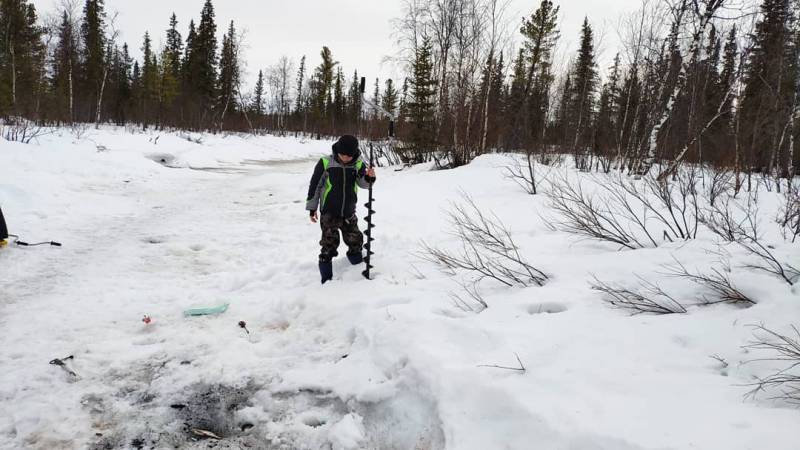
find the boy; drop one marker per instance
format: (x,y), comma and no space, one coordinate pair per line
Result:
(334,187)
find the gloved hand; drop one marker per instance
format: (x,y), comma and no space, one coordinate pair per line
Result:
(314,216)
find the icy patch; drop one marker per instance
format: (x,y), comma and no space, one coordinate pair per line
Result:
(348,433)
(207,414)
(253,416)
(409,420)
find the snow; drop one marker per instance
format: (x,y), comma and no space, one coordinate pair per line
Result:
(389,363)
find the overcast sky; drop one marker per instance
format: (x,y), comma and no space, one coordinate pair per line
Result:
(358,32)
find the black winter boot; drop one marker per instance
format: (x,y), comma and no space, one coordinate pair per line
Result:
(326,271)
(355,258)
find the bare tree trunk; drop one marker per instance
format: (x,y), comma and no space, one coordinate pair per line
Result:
(711,7)
(244,112)
(737,164)
(13,73)
(790,159)
(777,143)
(467,139)
(620,160)
(637,46)
(578,128)
(112,40)
(490,80)
(100,97)
(443,21)
(678,159)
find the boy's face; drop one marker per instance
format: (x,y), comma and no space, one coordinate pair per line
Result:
(344,158)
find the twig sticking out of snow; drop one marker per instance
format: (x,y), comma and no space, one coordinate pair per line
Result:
(718,281)
(520,369)
(722,220)
(205,434)
(487,249)
(783,348)
(474,302)
(651,300)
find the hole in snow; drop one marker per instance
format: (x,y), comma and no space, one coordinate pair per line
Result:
(165,159)
(314,421)
(546,308)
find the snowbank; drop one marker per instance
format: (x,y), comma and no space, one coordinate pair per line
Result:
(153,223)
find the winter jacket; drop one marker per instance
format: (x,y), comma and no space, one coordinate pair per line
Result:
(334,186)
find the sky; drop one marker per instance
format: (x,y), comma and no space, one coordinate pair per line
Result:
(358,32)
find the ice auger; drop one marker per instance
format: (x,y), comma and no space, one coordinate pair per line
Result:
(370,211)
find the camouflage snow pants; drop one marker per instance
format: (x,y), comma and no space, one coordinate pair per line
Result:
(330,236)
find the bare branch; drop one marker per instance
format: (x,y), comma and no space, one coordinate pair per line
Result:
(487,249)
(783,348)
(521,367)
(651,300)
(718,282)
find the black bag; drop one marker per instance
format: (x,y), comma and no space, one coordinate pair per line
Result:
(3,228)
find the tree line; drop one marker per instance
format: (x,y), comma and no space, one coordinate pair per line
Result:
(711,81)
(72,68)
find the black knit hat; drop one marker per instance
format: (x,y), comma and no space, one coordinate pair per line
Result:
(346,145)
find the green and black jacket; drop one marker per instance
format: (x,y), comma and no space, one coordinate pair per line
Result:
(334,186)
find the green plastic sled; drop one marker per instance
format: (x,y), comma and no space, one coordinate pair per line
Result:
(206,310)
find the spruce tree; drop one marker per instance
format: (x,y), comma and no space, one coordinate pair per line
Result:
(65,63)
(203,64)
(301,75)
(174,49)
(122,75)
(169,85)
(532,75)
(584,88)
(93,55)
(322,86)
(354,100)
(189,58)
(389,98)
(376,98)
(229,73)
(516,91)
(149,83)
(421,108)
(258,96)
(769,90)
(339,104)
(21,58)
(402,110)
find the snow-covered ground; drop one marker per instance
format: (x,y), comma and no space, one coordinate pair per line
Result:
(153,224)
